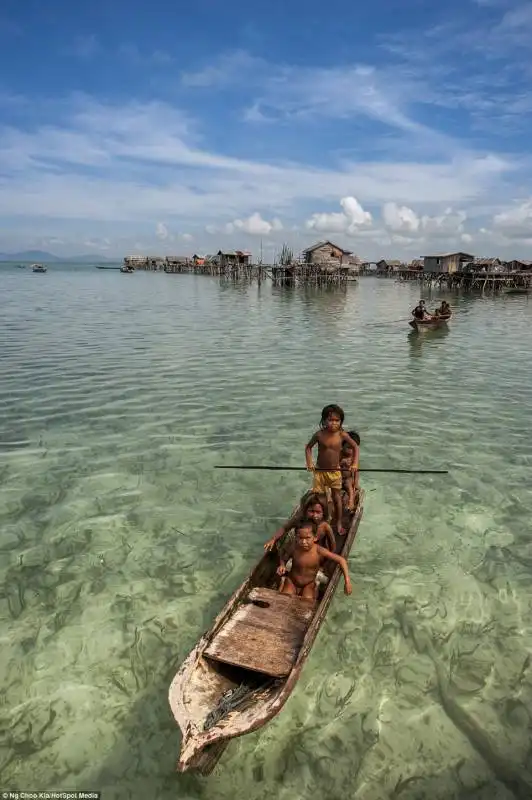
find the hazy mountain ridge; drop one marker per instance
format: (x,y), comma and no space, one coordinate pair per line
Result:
(50,258)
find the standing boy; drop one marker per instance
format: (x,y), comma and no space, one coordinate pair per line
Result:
(327,473)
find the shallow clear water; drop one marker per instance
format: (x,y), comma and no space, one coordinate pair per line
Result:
(119,542)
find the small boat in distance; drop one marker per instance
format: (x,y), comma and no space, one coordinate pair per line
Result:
(431,324)
(518,290)
(245,667)
(127,270)
(38,268)
(104,266)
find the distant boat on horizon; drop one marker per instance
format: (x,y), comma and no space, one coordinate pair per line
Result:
(105,266)
(38,268)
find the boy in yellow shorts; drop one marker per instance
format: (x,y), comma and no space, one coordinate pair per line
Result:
(327,473)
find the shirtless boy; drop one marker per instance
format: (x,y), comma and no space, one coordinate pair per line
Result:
(307,557)
(327,473)
(313,509)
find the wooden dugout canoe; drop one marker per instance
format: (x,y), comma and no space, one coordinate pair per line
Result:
(243,670)
(429,324)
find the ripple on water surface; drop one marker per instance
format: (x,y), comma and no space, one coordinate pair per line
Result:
(119,542)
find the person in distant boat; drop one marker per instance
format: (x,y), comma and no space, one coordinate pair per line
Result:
(349,469)
(420,311)
(307,557)
(313,508)
(444,310)
(327,473)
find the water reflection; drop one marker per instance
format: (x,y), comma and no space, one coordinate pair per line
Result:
(425,339)
(119,542)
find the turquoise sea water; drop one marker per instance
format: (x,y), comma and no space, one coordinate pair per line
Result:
(119,542)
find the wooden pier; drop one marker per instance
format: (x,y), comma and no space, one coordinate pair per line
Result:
(311,274)
(468,281)
(327,265)
(292,274)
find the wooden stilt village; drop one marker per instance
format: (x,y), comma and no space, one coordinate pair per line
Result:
(328,264)
(322,264)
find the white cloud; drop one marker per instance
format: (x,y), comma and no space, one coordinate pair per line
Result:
(349,221)
(231,67)
(186,237)
(297,93)
(515,222)
(467,238)
(400,218)
(101,167)
(448,224)
(97,244)
(161,231)
(139,169)
(254,225)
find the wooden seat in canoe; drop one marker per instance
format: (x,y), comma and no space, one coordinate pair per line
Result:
(264,634)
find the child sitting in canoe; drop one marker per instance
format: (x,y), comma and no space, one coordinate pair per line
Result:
(307,557)
(313,508)
(327,473)
(349,469)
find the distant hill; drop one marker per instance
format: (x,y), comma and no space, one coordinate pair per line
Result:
(29,255)
(86,259)
(50,258)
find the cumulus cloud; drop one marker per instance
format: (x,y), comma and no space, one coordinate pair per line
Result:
(89,165)
(350,220)
(404,220)
(450,223)
(161,231)
(400,218)
(516,222)
(254,225)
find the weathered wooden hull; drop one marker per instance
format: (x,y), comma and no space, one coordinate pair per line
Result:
(201,682)
(429,324)
(516,291)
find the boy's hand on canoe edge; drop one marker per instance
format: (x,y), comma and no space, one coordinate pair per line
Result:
(281,570)
(348,589)
(270,544)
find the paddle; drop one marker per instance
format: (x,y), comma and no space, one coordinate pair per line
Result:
(386,322)
(317,469)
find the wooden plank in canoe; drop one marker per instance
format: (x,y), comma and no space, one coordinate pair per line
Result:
(265,634)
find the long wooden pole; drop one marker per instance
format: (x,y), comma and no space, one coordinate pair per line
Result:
(317,469)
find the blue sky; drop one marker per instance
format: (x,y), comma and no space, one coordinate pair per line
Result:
(396,128)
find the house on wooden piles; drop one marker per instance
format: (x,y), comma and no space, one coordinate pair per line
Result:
(388,266)
(446,262)
(233,258)
(518,265)
(325,254)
